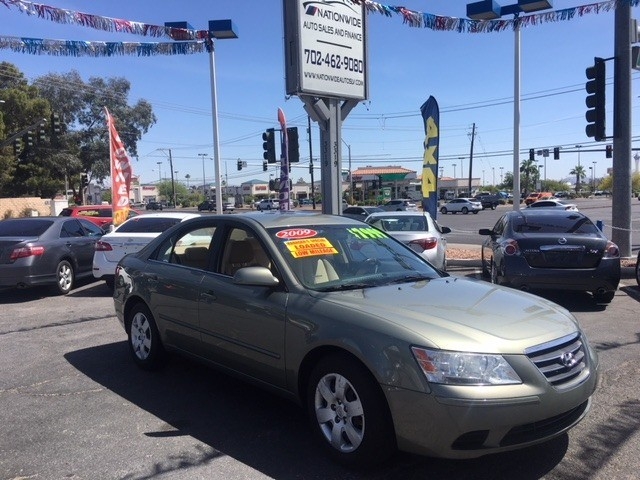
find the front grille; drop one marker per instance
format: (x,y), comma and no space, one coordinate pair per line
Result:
(560,361)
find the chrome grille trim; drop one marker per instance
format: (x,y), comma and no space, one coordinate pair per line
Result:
(561,361)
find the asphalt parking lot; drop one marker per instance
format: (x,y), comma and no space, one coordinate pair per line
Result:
(74,406)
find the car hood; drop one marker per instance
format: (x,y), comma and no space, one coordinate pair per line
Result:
(459,314)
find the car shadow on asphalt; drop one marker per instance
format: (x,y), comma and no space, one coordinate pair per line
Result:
(262,430)
(84,288)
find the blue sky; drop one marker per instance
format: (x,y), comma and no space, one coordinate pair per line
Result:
(471,76)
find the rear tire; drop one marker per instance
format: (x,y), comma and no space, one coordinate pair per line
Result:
(348,412)
(65,278)
(465,210)
(443,210)
(144,339)
(605,297)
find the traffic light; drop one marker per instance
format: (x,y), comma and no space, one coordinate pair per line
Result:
(17,147)
(556,153)
(84,181)
(293,148)
(609,151)
(595,100)
(269,145)
(532,155)
(272,185)
(42,134)
(55,124)
(264,166)
(239,164)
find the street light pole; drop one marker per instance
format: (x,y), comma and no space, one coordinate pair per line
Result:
(218,29)
(159,172)
(490,10)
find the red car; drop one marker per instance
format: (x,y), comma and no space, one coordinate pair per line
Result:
(100,215)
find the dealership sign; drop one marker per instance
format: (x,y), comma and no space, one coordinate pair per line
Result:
(325,48)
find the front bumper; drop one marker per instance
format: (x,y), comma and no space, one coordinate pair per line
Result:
(458,428)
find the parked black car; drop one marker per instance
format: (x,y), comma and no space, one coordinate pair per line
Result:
(489,201)
(53,251)
(537,249)
(153,206)
(207,205)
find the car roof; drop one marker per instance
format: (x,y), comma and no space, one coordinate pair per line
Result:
(167,215)
(543,212)
(279,218)
(402,213)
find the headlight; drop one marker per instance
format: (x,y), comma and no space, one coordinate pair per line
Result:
(462,368)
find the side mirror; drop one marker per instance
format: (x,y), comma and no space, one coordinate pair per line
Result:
(485,231)
(255,276)
(445,230)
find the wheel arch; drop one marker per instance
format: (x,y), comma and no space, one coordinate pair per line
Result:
(128,306)
(312,358)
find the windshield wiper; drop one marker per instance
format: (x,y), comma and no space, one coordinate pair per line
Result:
(346,286)
(414,277)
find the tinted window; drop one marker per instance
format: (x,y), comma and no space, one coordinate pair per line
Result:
(91,229)
(72,228)
(147,224)
(559,224)
(24,227)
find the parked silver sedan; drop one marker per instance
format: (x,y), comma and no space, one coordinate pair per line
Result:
(384,351)
(554,203)
(418,231)
(461,205)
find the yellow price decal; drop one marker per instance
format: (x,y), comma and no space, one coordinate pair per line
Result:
(310,247)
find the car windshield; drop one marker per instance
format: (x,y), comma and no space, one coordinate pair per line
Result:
(343,257)
(147,224)
(560,224)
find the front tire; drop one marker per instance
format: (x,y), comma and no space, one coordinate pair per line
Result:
(348,412)
(638,267)
(144,339)
(65,277)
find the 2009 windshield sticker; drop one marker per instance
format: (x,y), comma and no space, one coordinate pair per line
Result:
(292,233)
(310,247)
(367,233)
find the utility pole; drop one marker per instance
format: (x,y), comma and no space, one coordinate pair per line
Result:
(313,196)
(473,136)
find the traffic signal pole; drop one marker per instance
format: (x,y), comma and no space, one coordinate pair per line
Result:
(621,195)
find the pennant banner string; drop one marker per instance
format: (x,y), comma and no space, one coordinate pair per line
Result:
(463,25)
(59,15)
(410,17)
(78,48)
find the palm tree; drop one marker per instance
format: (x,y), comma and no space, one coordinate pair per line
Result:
(187,176)
(580,173)
(529,168)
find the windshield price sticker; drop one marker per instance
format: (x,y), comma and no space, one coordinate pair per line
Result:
(367,233)
(310,247)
